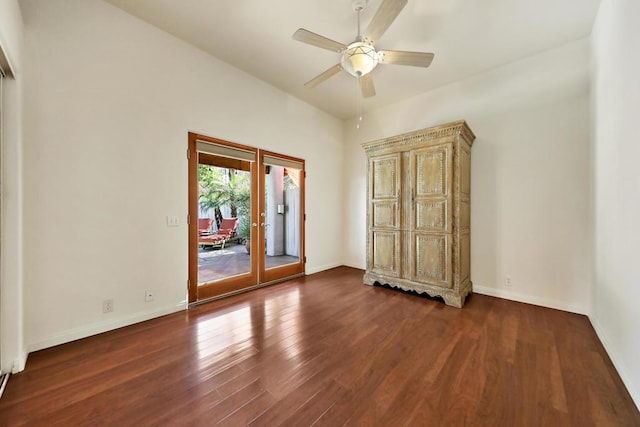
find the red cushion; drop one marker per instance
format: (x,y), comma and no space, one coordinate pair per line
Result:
(229,224)
(204,225)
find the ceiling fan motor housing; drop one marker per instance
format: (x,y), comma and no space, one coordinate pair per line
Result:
(359,58)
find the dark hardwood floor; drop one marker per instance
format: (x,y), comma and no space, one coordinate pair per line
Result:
(326,350)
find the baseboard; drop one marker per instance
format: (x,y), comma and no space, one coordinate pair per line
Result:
(617,362)
(318,269)
(529,299)
(355,265)
(98,328)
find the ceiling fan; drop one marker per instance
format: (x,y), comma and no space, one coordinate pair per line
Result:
(361,57)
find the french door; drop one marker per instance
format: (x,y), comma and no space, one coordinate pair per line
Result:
(246,217)
(281,185)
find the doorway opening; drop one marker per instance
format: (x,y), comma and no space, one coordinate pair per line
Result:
(249,206)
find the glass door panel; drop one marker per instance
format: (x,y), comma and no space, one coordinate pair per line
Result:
(224,223)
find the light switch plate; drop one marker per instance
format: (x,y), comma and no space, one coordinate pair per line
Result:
(173,221)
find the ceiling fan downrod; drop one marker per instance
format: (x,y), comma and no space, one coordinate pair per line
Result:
(358,5)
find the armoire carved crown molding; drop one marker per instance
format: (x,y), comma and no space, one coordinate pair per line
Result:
(406,140)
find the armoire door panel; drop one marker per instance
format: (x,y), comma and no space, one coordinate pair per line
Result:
(385,252)
(432,171)
(385,176)
(431,215)
(385,213)
(432,259)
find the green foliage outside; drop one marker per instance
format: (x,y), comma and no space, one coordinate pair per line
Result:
(226,187)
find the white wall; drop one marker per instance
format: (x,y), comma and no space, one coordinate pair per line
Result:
(12,347)
(530,174)
(107,109)
(616,109)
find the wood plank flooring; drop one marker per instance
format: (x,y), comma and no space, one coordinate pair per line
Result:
(325,350)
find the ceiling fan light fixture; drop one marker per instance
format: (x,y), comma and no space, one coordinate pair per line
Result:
(359,59)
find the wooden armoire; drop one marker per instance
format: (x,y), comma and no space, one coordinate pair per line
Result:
(418,212)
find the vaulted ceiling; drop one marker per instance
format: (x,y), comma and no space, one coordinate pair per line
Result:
(467,37)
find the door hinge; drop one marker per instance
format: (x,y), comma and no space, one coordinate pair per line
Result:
(189,219)
(305,174)
(305,217)
(305,260)
(188,284)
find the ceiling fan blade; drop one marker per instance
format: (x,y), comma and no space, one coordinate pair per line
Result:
(366,86)
(386,14)
(306,36)
(401,57)
(323,76)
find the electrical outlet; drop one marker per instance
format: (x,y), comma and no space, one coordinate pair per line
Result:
(507,282)
(107,306)
(148,295)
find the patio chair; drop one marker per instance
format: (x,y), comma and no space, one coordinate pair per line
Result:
(227,231)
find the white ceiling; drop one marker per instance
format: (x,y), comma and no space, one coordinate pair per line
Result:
(467,37)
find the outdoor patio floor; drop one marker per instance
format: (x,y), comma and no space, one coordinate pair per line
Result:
(216,264)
